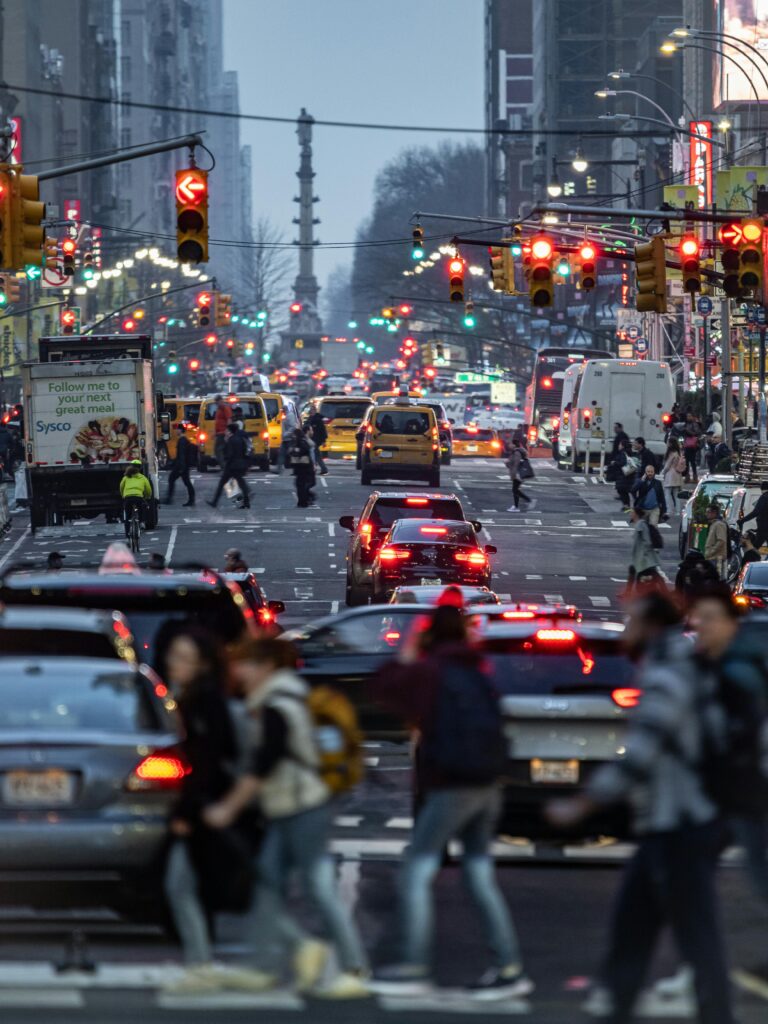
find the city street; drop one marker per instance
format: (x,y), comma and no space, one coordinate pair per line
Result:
(571,546)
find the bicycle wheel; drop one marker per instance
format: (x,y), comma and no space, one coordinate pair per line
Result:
(135,534)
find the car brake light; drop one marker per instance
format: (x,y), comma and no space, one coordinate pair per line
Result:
(518,615)
(626,696)
(366,528)
(496,445)
(393,554)
(437,531)
(473,557)
(755,601)
(266,616)
(556,636)
(392,637)
(162,770)
(417,501)
(202,436)
(265,435)
(472,430)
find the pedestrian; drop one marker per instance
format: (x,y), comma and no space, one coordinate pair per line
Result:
(691,447)
(620,437)
(760,514)
(319,436)
(714,437)
(55,561)
(649,496)
(199,864)
(289,424)
(670,879)
(185,454)
(234,561)
(643,454)
(716,544)
(673,473)
(235,466)
(644,565)
(515,464)
(221,421)
(750,549)
(283,774)
(693,573)
(626,473)
(300,461)
(439,685)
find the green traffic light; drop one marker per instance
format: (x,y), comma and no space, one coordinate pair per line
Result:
(517,250)
(469,321)
(262,314)
(369,350)
(33,273)
(173,368)
(235,319)
(88,274)
(352,324)
(3,299)
(417,253)
(563,268)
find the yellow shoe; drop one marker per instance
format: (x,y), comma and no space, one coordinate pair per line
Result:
(309,963)
(346,985)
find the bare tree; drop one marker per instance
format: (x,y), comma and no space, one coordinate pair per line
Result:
(272,270)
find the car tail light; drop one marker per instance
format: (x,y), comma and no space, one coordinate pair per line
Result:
(496,445)
(556,636)
(369,428)
(202,436)
(265,435)
(471,557)
(472,430)
(435,531)
(755,601)
(165,769)
(445,425)
(518,615)
(366,528)
(393,555)
(417,501)
(626,696)
(392,637)
(533,434)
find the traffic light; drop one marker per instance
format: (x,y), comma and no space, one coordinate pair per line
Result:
(28,215)
(223,309)
(541,286)
(586,266)
(194,365)
(690,263)
(295,308)
(68,250)
(456,269)
(731,236)
(204,300)
(210,340)
(129,324)
(50,252)
(88,265)
(417,246)
(6,218)
(502,269)
(173,366)
(10,290)
(192,215)
(751,255)
(405,309)
(469,314)
(69,319)
(651,271)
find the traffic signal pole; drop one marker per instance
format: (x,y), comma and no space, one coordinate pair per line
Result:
(188,141)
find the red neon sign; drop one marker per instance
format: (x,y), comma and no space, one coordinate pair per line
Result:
(700,160)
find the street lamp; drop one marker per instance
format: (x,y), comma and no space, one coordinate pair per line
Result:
(554,188)
(580,162)
(605,93)
(621,75)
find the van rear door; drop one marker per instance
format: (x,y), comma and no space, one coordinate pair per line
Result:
(627,396)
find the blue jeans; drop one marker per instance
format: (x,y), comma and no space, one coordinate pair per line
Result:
(469,815)
(182,892)
(299,843)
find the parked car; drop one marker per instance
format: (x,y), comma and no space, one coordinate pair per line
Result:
(751,587)
(715,486)
(65,633)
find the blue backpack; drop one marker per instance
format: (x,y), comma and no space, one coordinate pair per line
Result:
(466,742)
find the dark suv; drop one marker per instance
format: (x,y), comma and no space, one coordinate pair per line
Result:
(379,513)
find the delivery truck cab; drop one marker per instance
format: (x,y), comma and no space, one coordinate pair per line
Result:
(639,394)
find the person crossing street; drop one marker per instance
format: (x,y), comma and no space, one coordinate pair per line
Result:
(300,461)
(319,436)
(516,463)
(235,457)
(180,468)
(649,496)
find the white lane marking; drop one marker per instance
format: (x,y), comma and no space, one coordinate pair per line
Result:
(15,547)
(574,579)
(533,576)
(276,1000)
(330,529)
(304,569)
(505,597)
(532,522)
(53,999)
(600,602)
(664,526)
(553,598)
(371,762)
(399,823)
(578,522)
(359,849)
(348,820)
(616,579)
(171,545)
(487,532)
(334,607)
(619,522)
(750,983)
(323,481)
(453,1000)
(260,570)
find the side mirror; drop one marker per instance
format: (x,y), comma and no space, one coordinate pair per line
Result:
(476,525)
(347,522)
(491,549)
(276,607)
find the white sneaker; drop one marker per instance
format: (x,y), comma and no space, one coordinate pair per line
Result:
(309,962)
(347,985)
(245,979)
(679,984)
(198,980)
(513,509)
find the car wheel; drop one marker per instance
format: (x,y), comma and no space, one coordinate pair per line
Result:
(355,596)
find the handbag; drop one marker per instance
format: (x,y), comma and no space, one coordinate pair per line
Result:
(630,467)
(525,470)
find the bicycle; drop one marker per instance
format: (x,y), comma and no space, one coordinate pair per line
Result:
(134,529)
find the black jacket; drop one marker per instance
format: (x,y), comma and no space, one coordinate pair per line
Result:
(300,457)
(235,453)
(760,512)
(645,458)
(319,431)
(641,489)
(209,746)
(184,454)
(6,439)
(617,439)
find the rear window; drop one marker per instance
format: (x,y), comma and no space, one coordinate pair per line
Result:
(246,410)
(272,405)
(343,410)
(462,434)
(402,421)
(757,575)
(191,413)
(415,532)
(67,700)
(70,643)
(387,510)
(527,666)
(374,633)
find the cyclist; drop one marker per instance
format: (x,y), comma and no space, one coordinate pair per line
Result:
(135,490)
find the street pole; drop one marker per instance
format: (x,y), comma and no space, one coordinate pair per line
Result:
(761,366)
(707,372)
(725,376)
(188,141)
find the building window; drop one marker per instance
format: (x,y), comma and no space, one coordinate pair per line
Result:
(125,137)
(126,30)
(125,69)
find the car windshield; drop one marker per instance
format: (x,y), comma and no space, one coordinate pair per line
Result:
(343,410)
(417,532)
(401,421)
(70,699)
(472,434)
(528,666)
(722,487)
(757,575)
(51,642)
(387,510)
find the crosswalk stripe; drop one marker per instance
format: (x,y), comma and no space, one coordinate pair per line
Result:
(554,598)
(50,999)
(576,579)
(619,522)
(276,1000)
(600,602)
(453,1001)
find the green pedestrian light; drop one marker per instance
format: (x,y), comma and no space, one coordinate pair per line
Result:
(235,319)
(516,249)
(262,314)
(369,350)
(361,344)
(563,268)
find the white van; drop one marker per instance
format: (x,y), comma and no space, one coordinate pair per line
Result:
(639,394)
(570,377)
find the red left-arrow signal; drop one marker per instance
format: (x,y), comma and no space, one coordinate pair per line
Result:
(191,187)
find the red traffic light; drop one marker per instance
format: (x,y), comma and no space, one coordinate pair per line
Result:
(588,251)
(68,317)
(689,246)
(204,299)
(191,186)
(542,249)
(296,307)
(129,324)
(210,339)
(405,309)
(456,266)
(230,342)
(752,230)
(430,372)
(731,234)
(69,246)
(194,364)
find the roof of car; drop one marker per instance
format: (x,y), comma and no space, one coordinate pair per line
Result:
(429,495)
(70,666)
(64,578)
(80,619)
(352,613)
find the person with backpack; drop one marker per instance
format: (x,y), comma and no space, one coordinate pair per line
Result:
(646,542)
(649,496)
(235,457)
(319,436)
(673,473)
(440,686)
(623,471)
(294,779)
(519,469)
(716,544)
(300,461)
(670,879)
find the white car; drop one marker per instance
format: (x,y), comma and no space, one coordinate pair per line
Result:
(719,486)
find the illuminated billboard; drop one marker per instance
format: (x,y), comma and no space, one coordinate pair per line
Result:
(700,160)
(747,20)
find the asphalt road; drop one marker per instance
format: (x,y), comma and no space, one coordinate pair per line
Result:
(572,545)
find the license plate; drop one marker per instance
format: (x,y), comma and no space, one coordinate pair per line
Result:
(562,772)
(386,455)
(471,447)
(79,501)
(430,581)
(38,789)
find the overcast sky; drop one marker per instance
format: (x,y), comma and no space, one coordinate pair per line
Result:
(402,61)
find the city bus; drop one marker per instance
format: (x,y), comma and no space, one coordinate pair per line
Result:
(545,392)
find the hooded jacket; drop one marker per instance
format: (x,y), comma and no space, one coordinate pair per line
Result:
(289,775)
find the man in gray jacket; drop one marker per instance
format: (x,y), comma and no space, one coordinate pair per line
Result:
(644,560)
(671,877)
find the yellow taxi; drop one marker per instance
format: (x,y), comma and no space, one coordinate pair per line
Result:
(477,441)
(275,406)
(386,396)
(250,411)
(343,415)
(176,411)
(401,442)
